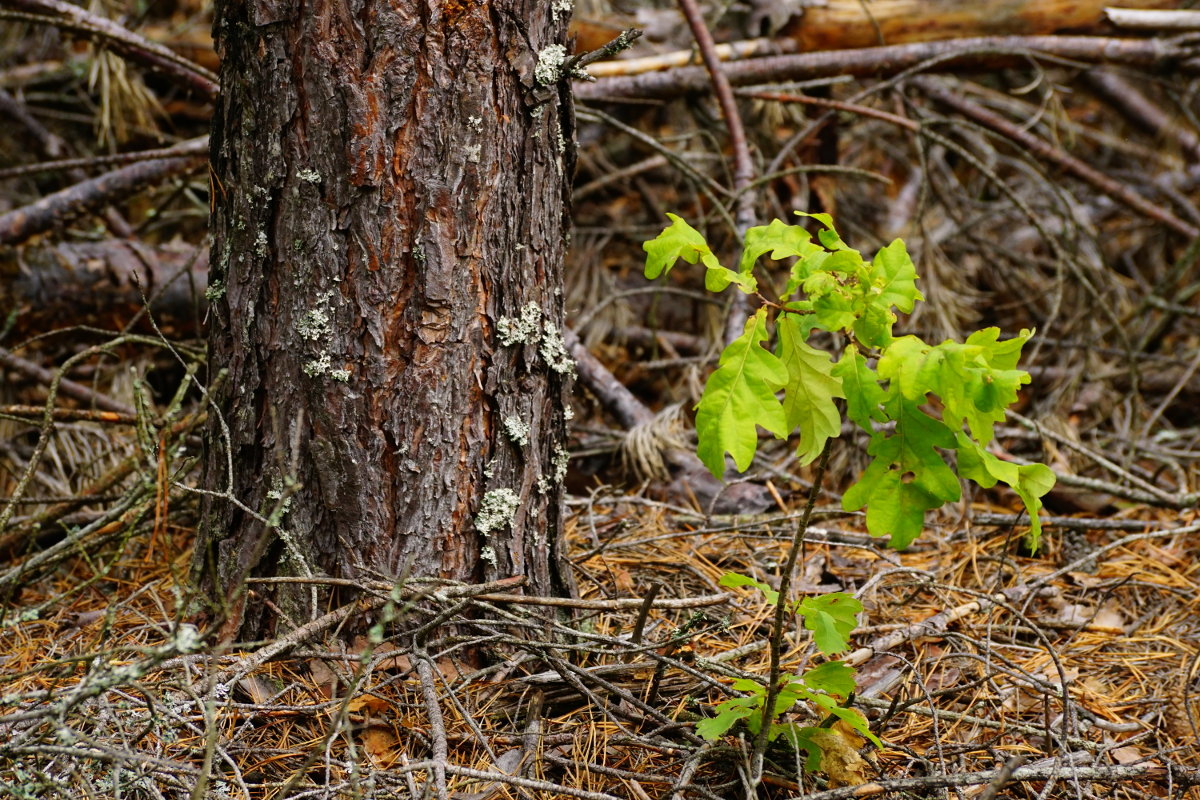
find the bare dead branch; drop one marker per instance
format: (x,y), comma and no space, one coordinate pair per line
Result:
(66,386)
(122,40)
(743,166)
(984,52)
(20,224)
(1065,161)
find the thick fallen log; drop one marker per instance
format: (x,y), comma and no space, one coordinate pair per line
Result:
(103,284)
(845,24)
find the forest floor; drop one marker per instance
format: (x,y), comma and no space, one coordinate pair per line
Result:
(963,653)
(1034,192)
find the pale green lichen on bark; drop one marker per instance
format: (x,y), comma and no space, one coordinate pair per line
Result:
(554,350)
(549,65)
(530,328)
(561,459)
(497,510)
(522,330)
(315,325)
(276,493)
(517,430)
(318,366)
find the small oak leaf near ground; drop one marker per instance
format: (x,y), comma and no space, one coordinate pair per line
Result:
(840,759)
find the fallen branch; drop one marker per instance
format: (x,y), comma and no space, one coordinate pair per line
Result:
(1135,107)
(65,386)
(1137,19)
(122,40)
(105,283)
(54,146)
(20,224)
(839,24)
(729,51)
(955,55)
(743,165)
(1175,774)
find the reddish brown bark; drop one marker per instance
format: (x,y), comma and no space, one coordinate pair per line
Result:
(389,183)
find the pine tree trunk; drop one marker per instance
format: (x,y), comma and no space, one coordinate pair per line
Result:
(389,184)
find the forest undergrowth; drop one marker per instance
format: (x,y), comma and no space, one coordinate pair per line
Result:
(1033,191)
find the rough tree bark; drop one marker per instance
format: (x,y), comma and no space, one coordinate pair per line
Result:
(390,206)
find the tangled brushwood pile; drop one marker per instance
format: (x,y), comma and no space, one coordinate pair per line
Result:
(1044,181)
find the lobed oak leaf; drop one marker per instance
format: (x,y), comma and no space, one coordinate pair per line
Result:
(808,400)
(738,397)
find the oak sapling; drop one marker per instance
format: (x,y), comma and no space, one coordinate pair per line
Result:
(915,401)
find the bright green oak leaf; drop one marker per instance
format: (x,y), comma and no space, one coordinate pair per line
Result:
(873,323)
(1031,482)
(808,398)
(735,579)
(780,240)
(907,477)
(829,237)
(832,677)
(831,705)
(894,277)
(1000,355)
(791,691)
(864,395)
(820,283)
(894,508)
(834,312)
(739,396)
(831,618)
(975,380)
(749,685)
(802,738)
(843,262)
(728,713)
(973,389)
(803,268)
(904,363)
(680,240)
(716,278)
(749,707)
